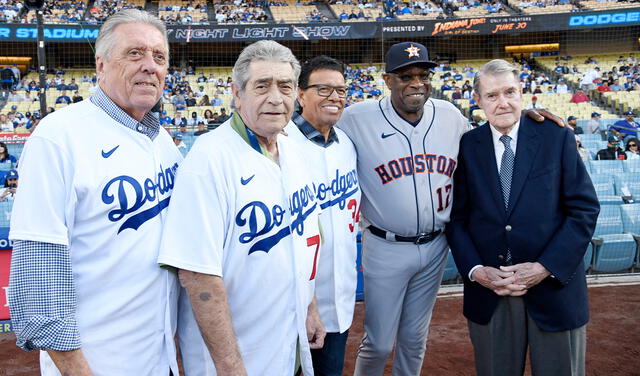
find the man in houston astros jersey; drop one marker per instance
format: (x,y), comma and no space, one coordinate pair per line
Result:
(331,158)
(96,177)
(407,147)
(243,230)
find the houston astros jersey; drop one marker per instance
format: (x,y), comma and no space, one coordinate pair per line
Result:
(405,172)
(103,194)
(337,189)
(238,215)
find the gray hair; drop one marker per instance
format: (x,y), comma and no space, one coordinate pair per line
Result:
(266,50)
(107,39)
(494,68)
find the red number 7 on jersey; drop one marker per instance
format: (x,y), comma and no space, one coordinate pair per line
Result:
(314,240)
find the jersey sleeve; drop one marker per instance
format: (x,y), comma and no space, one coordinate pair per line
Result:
(46,188)
(197,220)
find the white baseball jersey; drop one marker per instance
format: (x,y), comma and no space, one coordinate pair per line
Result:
(100,188)
(337,189)
(238,215)
(406,172)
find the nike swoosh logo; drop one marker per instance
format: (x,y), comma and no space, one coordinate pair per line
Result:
(387,135)
(247,180)
(108,153)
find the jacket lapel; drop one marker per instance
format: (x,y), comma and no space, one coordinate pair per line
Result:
(528,144)
(488,165)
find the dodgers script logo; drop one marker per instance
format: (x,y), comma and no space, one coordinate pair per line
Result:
(261,219)
(148,191)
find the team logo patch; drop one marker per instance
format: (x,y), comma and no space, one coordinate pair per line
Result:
(413,51)
(107,154)
(246,181)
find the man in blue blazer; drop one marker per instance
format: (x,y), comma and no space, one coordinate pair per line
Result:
(524,210)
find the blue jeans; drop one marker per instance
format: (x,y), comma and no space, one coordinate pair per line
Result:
(329,360)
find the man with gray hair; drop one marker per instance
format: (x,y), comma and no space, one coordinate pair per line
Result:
(242,229)
(524,211)
(85,285)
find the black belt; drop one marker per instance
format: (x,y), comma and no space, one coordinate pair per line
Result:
(422,238)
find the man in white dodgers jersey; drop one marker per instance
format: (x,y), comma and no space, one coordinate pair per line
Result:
(331,158)
(96,177)
(243,231)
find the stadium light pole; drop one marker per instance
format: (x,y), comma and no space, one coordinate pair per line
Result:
(42,59)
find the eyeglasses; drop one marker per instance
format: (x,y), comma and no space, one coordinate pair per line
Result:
(406,78)
(327,90)
(632,145)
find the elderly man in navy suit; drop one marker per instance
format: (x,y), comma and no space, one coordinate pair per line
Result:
(524,210)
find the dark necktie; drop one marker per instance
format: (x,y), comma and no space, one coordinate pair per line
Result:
(506,174)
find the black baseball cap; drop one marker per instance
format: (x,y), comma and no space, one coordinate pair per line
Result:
(407,53)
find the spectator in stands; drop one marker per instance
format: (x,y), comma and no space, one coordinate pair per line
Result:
(632,149)
(579,97)
(183,131)
(195,119)
(604,87)
(585,154)
(178,119)
(165,120)
(6,125)
(201,78)
(7,161)
(457,93)
(625,128)
(223,115)
(60,84)
(572,122)
(593,126)
(76,97)
(446,86)
(613,150)
(204,101)
(63,98)
(216,101)
(72,85)
(201,129)
(93,88)
(190,100)
(10,186)
(179,102)
(616,85)
(200,92)
(534,104)
(590,60)
(177,140)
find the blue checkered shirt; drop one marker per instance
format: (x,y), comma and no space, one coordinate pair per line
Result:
(313,134)
(42,296)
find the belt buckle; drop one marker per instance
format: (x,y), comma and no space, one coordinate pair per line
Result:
(422,238)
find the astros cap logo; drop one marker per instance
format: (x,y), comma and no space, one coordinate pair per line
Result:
(413,51)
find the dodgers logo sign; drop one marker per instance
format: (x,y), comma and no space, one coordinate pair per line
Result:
(131,195)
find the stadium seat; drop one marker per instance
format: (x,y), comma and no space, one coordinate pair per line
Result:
(588,257)
(450,270)
(605,189)
(590,137)
(631,224)
(628,182)
(632,165)
(5,212)
(611,167)
(613,250)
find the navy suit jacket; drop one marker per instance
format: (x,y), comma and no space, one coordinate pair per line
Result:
(552,215)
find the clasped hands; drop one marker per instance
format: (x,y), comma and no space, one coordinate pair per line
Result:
(513,280)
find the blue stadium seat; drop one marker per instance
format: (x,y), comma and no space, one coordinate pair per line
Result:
(15,149)
(629,181)
(590,137)
(588,257)
(594,144)
(632,165)
(631,224)
(450,270)
(602,167)
(613,250)
(5,212)
(604,184)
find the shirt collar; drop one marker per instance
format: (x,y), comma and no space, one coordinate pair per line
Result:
(149,126)
(513,133)
(313,134)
